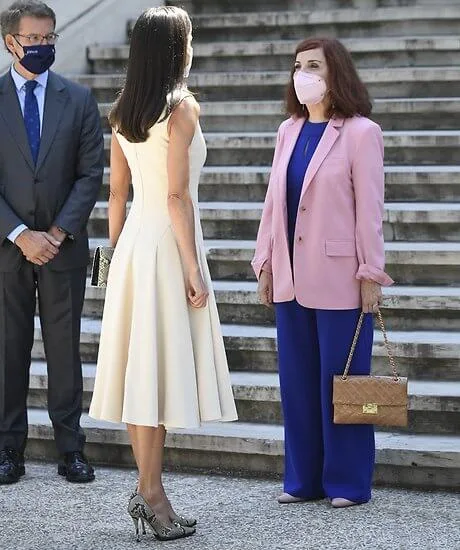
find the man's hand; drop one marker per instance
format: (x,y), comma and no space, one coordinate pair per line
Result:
(371,296)
(37,246)
(57,234)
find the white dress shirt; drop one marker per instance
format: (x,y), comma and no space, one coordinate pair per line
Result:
(40,92)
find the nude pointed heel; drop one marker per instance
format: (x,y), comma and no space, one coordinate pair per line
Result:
(343,503)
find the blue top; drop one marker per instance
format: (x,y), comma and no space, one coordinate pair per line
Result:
(306,145)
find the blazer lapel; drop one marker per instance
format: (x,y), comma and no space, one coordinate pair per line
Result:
(10,110)
(55,101)
(291,135)
(324,146)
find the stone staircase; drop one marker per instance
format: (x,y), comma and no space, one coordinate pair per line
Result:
(408,53)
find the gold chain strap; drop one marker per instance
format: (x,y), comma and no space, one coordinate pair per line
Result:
(353,346)
(387,345)
(385,339)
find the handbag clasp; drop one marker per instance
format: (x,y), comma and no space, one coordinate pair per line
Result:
(370,408)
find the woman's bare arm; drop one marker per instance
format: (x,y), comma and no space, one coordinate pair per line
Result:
(182,127)
(120,179)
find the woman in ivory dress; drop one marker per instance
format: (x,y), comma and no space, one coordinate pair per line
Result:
(162,362)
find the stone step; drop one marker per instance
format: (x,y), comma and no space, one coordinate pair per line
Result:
(237,220)
(230,6)
(373,52)
(401,147)
(269,85)
(208,6)
(391,114)
(266,116)
(278,55)
(249,183)
(420,355)
(422,222)
(430,461)
(408,147)
(414,307)
(368,21)
(434,406)
(417,308)
(407,263)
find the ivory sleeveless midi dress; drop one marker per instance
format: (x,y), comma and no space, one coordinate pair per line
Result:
(161,361)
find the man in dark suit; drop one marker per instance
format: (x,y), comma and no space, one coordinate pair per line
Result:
(51,166)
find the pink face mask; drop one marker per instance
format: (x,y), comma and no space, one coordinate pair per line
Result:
(310,88)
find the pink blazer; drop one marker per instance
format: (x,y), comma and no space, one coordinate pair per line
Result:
(338,235)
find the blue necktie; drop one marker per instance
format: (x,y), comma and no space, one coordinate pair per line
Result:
(32,119)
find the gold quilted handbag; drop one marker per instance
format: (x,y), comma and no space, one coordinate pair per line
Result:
(101,264)
(379,400)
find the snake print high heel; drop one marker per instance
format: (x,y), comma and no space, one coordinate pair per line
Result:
(177,519)
(141,514)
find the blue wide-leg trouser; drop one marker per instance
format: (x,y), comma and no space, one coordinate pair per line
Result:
(322,458)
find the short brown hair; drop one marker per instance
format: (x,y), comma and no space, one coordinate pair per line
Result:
(11,17)
(348,96)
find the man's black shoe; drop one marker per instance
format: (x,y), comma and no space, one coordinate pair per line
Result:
(76,468)
(11,466)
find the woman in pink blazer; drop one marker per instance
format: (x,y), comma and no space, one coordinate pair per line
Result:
(320,259)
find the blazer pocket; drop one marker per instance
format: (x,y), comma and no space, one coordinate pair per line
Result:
(340,248)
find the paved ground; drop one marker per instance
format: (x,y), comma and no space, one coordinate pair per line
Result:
(45,512)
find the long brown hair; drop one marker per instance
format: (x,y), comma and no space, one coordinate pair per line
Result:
(157,60)
(347,94)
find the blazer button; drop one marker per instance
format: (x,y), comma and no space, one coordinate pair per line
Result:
(300,239)
(303,209)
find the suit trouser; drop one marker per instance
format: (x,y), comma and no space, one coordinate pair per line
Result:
(322,458)
(60,300)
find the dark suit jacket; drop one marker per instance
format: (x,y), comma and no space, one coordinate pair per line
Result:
(63,187)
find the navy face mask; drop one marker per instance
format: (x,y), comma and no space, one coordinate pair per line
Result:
(38,59)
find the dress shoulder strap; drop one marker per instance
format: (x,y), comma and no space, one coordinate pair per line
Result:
(174,99)
(177,96)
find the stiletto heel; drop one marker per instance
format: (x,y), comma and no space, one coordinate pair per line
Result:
(140,510)
(177,519)
(137,519)
(136,527)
